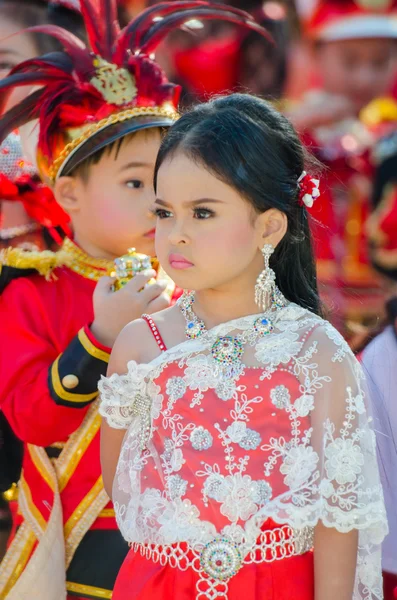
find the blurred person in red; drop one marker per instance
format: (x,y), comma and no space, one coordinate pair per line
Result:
(218,58)
(262,65)
(354,52)
(41,222)
(28,208)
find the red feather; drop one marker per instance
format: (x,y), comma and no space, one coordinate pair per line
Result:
(89,11)
(100,17)
(72,44)
(159,30)
(20,114)
(132,34)
(110,26)
(10,83)
(56,60)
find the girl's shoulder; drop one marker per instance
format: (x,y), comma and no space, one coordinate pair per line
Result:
(137,341)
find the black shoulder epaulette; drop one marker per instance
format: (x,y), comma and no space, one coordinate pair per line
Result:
(15,263)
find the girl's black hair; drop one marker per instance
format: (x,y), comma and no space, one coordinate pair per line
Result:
(249,145)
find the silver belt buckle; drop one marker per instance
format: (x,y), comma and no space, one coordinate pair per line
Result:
(220,559)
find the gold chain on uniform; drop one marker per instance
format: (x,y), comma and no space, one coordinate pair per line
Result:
(78,261)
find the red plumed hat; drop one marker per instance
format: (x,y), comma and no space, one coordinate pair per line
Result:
(332,20)
(91,96)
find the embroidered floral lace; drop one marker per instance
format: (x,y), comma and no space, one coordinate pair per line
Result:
(207,460)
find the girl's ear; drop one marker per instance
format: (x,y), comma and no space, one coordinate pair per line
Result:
(67,193)
(271,227)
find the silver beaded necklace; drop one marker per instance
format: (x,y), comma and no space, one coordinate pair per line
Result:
(227,351)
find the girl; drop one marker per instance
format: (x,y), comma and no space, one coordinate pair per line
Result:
(237,419)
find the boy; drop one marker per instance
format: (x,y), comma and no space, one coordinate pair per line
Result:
(100,115)
(354,50)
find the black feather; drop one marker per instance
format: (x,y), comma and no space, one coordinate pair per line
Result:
(20,114)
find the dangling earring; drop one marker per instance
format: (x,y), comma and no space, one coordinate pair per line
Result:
(266,282)
(267,294)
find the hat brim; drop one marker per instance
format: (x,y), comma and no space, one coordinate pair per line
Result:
(358,27)
(107,136)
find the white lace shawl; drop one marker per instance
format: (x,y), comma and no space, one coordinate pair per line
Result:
(288,439)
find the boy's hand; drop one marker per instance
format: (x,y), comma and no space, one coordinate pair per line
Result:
(114,310)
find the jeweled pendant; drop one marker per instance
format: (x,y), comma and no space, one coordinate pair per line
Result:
(227,350)
(221,559)
(263,326)
(194,329)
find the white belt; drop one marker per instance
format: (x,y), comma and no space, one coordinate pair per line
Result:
(221,558)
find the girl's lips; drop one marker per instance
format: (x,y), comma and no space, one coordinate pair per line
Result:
(177,261)
(151,234)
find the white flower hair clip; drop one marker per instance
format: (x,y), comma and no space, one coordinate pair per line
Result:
(309,190)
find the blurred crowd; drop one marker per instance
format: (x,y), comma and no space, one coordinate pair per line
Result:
(330,65)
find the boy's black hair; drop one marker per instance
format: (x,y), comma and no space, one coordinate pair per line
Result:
(248,144)
(83,169)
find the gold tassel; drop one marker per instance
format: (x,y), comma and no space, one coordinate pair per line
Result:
(43,262)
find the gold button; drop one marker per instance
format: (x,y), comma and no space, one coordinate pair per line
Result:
(70,382)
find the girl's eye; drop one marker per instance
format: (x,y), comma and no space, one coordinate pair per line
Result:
(161,213)
(203,213)
(134,184)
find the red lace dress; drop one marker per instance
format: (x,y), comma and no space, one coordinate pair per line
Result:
(225,470)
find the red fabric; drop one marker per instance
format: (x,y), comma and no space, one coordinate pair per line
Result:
(8,189)
(287,579)
(389,586)
(40,204)
(204,75)
(39,319)
(94,341)
(141,578)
